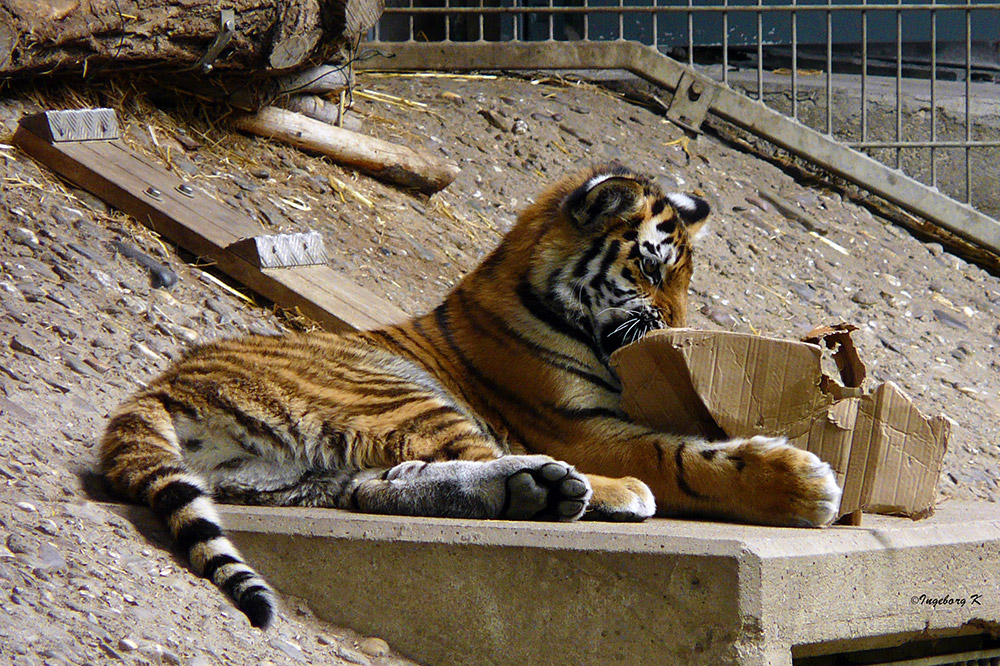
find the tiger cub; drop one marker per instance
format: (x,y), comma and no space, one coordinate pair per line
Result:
(500,403)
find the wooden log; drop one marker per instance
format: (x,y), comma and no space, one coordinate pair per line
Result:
(397,164)
(318,108)
(267,35)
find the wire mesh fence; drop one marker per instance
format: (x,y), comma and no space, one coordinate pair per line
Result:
(914,84)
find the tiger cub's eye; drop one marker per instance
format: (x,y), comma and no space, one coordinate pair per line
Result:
(651,267)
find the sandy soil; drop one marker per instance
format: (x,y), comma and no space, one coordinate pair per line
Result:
(81,325)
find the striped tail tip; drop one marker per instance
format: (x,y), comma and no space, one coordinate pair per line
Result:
(258,606)
(190,513)
(246,588)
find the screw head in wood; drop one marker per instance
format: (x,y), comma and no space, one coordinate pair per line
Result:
(186,190)
(153,193)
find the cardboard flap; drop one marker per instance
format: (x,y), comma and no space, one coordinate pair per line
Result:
(748,385)
(658,391)
(910,450)
(837,338)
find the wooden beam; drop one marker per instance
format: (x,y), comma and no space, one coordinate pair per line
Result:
(205,227)
(396,164)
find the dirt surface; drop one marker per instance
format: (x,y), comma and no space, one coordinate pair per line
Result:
(81,325)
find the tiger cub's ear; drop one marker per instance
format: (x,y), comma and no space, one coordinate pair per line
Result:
(693,212)
(603,198)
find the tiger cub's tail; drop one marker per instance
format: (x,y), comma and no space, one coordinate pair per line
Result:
(141,457)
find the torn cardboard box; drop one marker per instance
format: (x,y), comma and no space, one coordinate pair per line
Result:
(887,455)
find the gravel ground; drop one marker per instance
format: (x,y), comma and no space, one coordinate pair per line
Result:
(81,325)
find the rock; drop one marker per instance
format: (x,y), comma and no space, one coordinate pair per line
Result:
(519,127)
(9,408)
(492,119)
(140,350)
(48,560)
(351,655)
(161,655)
(104,279)
(26,506)
(49,527)
(28,343)
(25,237)
(91,202)
(288,649)
(803,291)
(719,316)
(245,184)
(950,320)
(375,647)
(865,298)
(20,544)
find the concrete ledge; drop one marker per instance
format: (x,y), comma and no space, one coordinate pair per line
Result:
(665,591)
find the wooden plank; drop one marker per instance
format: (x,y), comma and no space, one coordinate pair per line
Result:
(206,227)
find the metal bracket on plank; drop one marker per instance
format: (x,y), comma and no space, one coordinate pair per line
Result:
(100,124)
(691,103)
(282,250)
(227,28)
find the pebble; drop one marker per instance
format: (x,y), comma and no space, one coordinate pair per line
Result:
(104,279)
(161,655)
(48,560)
(759,203)
(26,237)
(26,506)
(290,650)
(492,119)
(27,343)
(803,291)
(177,331)
(948,319)
(245,184)
(140,350)
(519,127)
(19,544)
(719,316)
(375,647)
(48,526)
(864,298)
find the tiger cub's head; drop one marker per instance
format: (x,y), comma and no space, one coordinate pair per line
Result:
(612,253)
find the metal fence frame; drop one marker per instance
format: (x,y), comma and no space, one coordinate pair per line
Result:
(495,37)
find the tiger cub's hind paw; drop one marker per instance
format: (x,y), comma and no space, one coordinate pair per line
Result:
(541,488)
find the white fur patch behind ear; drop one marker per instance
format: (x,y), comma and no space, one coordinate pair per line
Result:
(690,208)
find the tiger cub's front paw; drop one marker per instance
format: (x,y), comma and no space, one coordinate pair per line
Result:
(784,485)
(622,500)
(541,488)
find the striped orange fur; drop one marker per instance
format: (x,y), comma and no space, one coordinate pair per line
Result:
(497,404)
